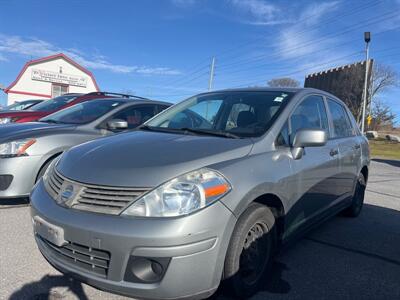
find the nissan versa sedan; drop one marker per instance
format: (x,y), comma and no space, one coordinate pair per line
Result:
(26,150)
(203,193)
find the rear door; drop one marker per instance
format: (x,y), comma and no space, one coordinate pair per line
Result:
(349,147)
(314,184)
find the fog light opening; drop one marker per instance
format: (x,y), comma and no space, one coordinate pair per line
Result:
(146,269)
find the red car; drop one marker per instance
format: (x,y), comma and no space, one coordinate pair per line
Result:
(50,106)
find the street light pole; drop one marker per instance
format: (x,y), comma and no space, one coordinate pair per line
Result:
(212,67)
(367,39)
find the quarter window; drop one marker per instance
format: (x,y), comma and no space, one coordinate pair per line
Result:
(340,120)
(310,114)
(283,136)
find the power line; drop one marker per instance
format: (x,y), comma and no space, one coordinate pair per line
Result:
(289,50)
(357,9)
(306,69)
(326,22)
(354,10)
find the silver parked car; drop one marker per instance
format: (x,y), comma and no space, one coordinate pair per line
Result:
(205,192)
(27,149)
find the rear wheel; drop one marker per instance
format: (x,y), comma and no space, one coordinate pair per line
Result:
(250,251)
(358,199)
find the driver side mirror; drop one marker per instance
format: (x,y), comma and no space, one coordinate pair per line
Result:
(308,138)
(117,124)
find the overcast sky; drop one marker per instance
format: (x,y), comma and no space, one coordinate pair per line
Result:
(163,48)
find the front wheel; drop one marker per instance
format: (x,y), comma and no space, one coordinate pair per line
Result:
(250,251)
(358,199)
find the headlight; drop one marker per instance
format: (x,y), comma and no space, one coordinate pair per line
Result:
(182,195)
(5,120)
(51,167)
(15,148)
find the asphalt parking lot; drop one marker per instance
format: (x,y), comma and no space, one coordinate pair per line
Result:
(342,259)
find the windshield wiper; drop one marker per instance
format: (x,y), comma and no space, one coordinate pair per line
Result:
(211,132)
(191,130)
(51,121)
(159,129)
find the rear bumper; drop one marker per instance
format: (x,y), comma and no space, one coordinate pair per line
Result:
(23,171)
(196,246)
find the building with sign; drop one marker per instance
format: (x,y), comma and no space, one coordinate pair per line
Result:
(49,77)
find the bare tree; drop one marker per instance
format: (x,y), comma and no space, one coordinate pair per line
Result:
(348,87)
(383,78)
(382,115)
(283,82)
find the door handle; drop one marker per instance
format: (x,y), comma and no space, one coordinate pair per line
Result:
(357,146)
(333,152)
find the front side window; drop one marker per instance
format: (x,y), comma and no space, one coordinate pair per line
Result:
(136,115)
(310,114)
(340,120)
(239,114)
(82,113)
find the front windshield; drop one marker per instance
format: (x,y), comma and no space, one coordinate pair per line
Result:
(20,105)
(54,104)
(240,114)
(82,113)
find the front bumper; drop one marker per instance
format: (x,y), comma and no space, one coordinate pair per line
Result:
(195,244)
(23,171)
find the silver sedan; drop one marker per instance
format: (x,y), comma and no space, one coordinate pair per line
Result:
(27,149)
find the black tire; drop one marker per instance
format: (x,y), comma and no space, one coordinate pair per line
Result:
(250,251)
(43,169)
(358,199)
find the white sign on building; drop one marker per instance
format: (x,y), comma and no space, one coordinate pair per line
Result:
(49,76)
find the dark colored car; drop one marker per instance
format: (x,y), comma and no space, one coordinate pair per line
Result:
(22,105)
(51,106)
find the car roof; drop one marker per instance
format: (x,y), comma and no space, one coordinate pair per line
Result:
(266,89)
(134,101)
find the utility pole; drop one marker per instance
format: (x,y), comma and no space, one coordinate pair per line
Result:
(211,80)
(367,39)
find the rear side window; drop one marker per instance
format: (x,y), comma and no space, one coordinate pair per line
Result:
(340,120)
(310,114)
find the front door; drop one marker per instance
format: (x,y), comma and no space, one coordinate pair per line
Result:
(314,185)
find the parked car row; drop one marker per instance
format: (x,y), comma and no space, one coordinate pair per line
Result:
(33,145)
(21,105)
(204,192)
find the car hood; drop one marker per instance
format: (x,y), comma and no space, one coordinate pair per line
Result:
(16,131)
(146,159)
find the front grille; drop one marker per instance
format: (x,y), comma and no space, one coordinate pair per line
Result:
(5,181)
(94,198)
(106,199)
(54,183)
(92,260)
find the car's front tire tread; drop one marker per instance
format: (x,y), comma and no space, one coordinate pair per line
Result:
(255,214)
